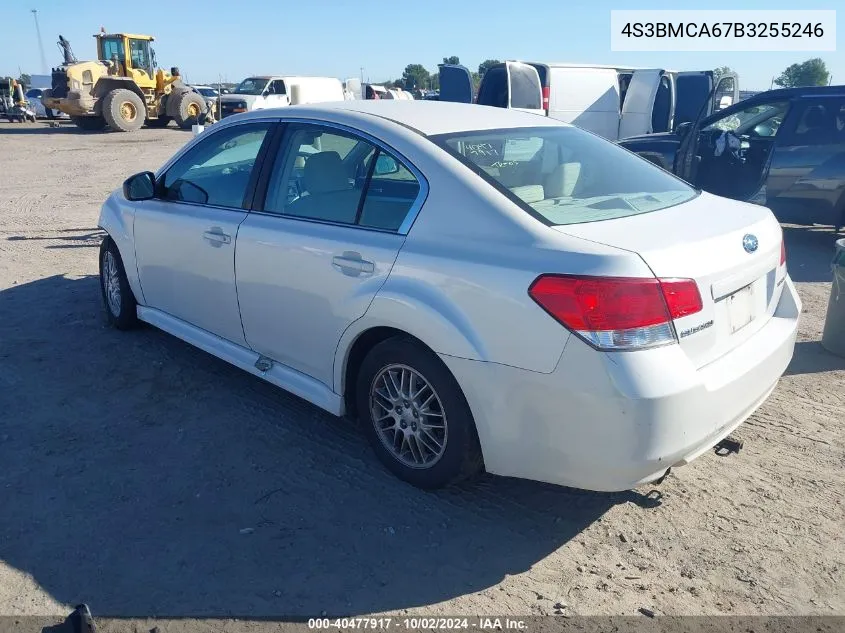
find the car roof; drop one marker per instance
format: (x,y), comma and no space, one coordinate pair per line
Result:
(426,117)
(807,91)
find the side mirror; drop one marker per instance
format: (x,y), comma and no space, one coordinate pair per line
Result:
(265,93)
(683,129)
(140,187)
(386,165)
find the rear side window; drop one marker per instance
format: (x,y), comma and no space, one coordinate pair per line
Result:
(564,175)
(334,176)
(821,123)
(494,88)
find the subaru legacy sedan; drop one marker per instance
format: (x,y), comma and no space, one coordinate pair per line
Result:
(480,288)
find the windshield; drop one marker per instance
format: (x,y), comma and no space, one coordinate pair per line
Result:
(251,86)
(207,92)
(762,119)
(564,175)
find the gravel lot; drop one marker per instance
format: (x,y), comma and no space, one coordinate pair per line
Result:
(145,477)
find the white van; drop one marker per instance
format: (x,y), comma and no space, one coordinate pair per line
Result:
(271,91)
(614,102)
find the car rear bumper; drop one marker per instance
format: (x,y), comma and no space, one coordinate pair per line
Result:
(612,421)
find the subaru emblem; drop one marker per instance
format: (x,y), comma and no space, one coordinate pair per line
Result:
(749,243)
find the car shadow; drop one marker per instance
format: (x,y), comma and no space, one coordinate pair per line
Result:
(811,358)
(142,476)
(809,252)
(42,127)
(88,238)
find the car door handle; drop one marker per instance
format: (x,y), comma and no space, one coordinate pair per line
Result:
(217,237)
(351,263)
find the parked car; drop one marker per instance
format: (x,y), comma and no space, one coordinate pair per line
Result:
(259,93)
(33,96)
(210,95)
(480,287)
(782,148)
(613,101)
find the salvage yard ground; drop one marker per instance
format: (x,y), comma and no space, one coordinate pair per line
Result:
(143,476)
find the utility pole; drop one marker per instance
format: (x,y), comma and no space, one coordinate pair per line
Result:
(362,75)
(44,68)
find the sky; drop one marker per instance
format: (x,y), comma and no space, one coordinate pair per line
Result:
(208,39)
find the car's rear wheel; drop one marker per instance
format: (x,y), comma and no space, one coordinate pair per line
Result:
(120,304)
(415,415)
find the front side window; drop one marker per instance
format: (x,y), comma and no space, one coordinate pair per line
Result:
(113,47)
(762,120)
(217,170)
(251,86)
(564,175)
(332,176)
(276,87)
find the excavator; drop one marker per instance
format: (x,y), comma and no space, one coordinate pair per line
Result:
(123,89)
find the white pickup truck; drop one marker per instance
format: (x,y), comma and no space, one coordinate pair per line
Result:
(274,91)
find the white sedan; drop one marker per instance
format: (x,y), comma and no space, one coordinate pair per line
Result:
(481,288)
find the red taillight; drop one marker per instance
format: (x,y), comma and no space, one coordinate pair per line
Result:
(682,297)
(617,312)
(782,252)
(546,94)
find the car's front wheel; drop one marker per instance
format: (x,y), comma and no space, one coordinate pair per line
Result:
(415,415)
(121,308)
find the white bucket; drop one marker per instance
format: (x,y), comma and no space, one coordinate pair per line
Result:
(197,129)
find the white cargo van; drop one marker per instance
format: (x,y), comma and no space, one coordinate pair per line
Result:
(270,91)
(614,102)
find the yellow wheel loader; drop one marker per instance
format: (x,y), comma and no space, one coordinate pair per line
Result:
(123,89)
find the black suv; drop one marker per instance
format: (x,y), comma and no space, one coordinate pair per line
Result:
(784,149)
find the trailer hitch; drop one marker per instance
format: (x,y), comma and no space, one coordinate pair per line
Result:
(728,446)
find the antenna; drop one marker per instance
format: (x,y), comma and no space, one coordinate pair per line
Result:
(44,67)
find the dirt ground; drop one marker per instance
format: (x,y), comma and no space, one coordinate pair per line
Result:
(145,477)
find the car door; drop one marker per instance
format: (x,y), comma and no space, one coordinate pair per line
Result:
(323,235)
(185,237)
(455,83)
(639,101)
(729,153)
(806,180)
(693,96)
(275,94)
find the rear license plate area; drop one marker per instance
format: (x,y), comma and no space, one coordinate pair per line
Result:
(741,308)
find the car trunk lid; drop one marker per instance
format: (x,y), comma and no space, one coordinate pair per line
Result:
(711,240)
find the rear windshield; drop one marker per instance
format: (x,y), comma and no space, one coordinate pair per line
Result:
(564,175)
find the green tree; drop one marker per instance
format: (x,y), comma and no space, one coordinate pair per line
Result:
(812,72)
(722,70)
(25,79)
(415,76)
(484,66)
(454,59)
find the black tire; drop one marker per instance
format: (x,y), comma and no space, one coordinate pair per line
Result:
(188,108)
(89,123)
(160,122)
(121,314)
(123,110)
(461,455)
